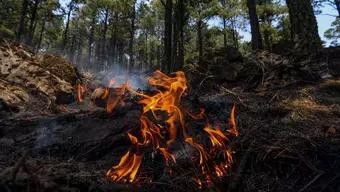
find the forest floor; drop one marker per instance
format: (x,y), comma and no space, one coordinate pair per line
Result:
(289,141)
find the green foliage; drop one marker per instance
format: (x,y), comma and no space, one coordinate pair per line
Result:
(99,31)
(333,33)
(6,33)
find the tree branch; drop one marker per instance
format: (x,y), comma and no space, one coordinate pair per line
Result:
(163,3)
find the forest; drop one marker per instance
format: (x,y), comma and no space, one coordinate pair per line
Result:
(169,95)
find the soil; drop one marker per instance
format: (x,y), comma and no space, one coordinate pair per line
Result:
(289,140)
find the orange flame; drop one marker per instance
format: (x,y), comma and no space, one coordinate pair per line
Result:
(80,93)
(164,106)
(116,98)
(127,167)
(232,125)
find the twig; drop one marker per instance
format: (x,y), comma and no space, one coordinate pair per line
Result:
(236,179)
(17,166)
(201,83)
(311,182)
(234,94)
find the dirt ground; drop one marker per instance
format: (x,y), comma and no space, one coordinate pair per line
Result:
(289,140)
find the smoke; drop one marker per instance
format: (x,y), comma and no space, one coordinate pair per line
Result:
(46,135)
(135,79)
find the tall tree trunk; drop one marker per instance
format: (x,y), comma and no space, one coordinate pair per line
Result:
(167,59)
(234,33)
(42,31)
(337,4)
(181,19)
(224,21)
(80,51)
(175,41)
(199,40)
(103,43)
(256,39)
(32,21)
(70,8)
(21,26)
(91,40)
(224,32)
(146,49)
(304,28)
(113,44)
(72,48)
(132,37)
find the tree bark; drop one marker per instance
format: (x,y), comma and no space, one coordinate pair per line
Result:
(42,31)
(132,37)
(167,59)
(114,40)
(199,40)
(103,43)
(146,49)
(21,26)
(234,32)
(32,21)
(256,39)
(91,39)
(224,20)
(70,8)
(224,32)
(337,5)
(304,28)
(181,20)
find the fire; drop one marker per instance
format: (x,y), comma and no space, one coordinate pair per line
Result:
(162,123)
(127,167)
(80,93)
(116,98)
(232,125)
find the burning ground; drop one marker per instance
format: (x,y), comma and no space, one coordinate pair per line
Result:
(175,135)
